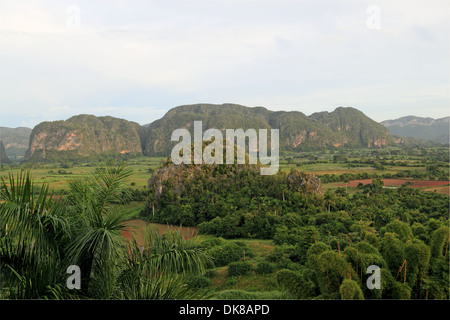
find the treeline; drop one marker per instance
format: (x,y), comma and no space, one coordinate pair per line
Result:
(418,175)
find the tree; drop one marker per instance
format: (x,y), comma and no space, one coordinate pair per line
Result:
(161,269)
(402,229)
(439,242)
(350,290)
(98,219)
(332,269)
(33,227)
(392,251)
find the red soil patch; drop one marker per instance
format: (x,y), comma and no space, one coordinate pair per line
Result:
(398,183)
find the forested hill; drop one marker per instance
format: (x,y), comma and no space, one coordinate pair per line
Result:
(344,127)
(84,136)
(90,136)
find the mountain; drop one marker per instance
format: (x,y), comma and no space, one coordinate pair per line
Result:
(90,136)
(3,156)
(420,128)
(84,136)
(356,128)
(15,141)
(347,127)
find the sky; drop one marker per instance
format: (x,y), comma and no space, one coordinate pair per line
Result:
(138,59)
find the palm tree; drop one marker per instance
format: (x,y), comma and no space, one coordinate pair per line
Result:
(42,235)
(33,226)
(161,268)
(97,218)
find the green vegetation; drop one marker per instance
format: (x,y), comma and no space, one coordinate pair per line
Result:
(323,242)
(41,235)
(287,236)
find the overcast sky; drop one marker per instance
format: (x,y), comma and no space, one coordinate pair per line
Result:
(137,59)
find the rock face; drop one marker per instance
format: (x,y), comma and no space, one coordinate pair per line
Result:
(357,129)
(303,182)
(3,156)
(84,136)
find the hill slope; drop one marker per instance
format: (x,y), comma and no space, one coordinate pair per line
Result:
(343,127)
(420,128)
(90,136)
(3,156)
(15,140)
(84,136)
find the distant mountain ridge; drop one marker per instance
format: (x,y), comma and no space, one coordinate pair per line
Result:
(343,127)
(84,136)
(15,141)
(420,128)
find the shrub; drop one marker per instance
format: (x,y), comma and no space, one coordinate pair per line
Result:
(232,281)
(224,254)
(350,290)
(199,282)
(295,283)
(265,267)
(239,268)
(210,273)
(209,243)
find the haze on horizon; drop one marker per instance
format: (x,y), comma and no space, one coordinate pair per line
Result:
(138,59)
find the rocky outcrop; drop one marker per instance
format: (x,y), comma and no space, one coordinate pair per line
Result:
(84,136)
(3,156)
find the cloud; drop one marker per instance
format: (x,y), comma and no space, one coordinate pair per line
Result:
(129,55)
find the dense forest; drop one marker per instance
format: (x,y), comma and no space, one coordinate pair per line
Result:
(325,241)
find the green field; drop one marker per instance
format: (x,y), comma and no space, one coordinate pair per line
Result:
(57,175)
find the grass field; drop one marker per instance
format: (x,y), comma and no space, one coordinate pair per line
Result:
(57,177)
(139,227)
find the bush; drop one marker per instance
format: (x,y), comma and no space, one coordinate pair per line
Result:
(239,268)
(232,281)
(199,282)
(350,290)
(224,254)
(265,267)
(295,283)
(209,243)
(210,273)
